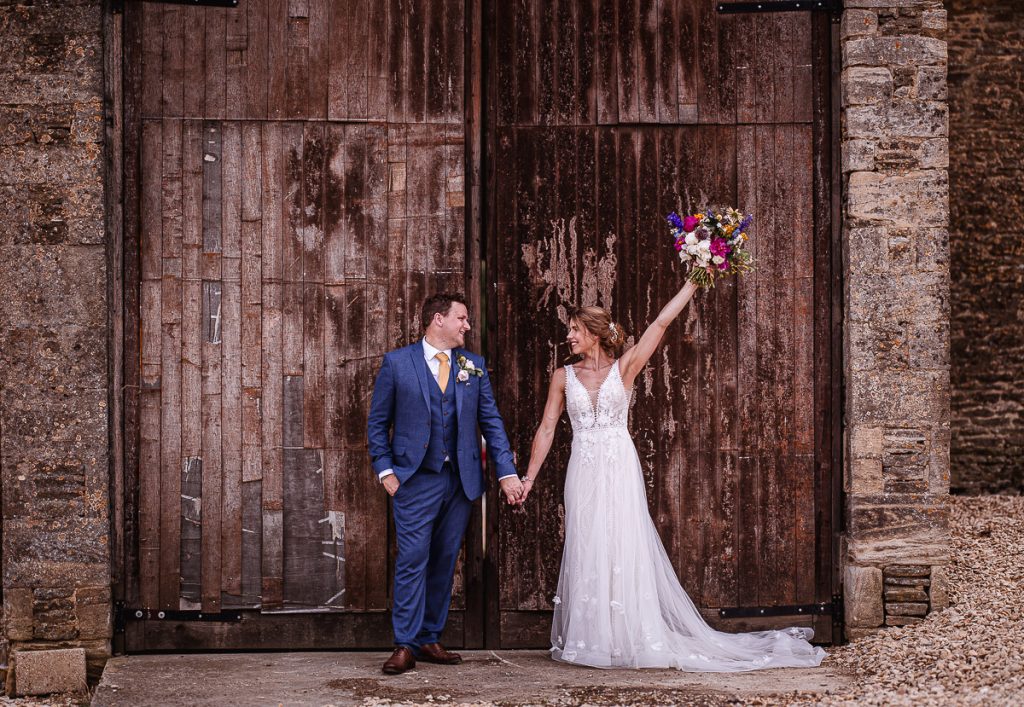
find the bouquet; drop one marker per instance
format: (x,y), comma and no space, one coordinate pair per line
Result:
(712,242)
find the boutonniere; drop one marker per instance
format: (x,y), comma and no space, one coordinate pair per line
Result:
(466,369)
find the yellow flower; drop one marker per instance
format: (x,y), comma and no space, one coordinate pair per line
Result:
(743,236)
(699,217)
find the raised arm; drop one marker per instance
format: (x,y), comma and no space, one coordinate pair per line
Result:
(634,360)
(545,433)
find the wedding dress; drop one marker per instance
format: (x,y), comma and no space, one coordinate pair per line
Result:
(619,603)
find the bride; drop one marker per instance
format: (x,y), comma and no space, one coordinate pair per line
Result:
(619,603)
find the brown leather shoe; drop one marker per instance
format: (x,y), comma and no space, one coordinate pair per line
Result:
(400,661)
(436,653)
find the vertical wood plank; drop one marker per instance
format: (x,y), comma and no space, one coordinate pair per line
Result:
(526,61)
(194,60)
(236,45)
(191,505)
(215,64)
(648,35)
(627,50)
(257,54)
(545,17)
(297,83)
(152,62)
(668,65)
(607,64)
(416,66)
(586,63)
(686,51)
(708,91)
(319,58)
(277,58)
(398,61)
(377,61)
(252,532)
(173,62)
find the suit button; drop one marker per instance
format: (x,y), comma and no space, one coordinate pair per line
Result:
(424,446)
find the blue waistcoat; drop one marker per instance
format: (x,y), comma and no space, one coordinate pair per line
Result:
(443,423)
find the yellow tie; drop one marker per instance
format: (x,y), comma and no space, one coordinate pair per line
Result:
(444,371)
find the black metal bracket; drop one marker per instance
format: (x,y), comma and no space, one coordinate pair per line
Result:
(124,614)
(834,7)
(824,608)
(117,6)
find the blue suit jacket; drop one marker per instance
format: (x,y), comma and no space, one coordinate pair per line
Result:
(398,426)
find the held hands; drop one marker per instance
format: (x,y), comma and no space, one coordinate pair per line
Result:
(513,489)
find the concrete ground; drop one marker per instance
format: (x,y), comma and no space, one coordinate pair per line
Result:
(499,677)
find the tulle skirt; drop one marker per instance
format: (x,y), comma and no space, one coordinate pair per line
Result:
(619,602)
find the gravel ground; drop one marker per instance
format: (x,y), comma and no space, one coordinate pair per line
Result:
(969,654)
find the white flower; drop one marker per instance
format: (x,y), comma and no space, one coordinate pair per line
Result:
(556,601)
(463,376)
(717,260)
(691,239)
(684,256)
(469,365)
(705,245)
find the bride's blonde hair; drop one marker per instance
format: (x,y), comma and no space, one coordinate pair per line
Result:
(598,321)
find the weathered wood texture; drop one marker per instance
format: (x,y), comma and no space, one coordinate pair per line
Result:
(603,122)
(300,181)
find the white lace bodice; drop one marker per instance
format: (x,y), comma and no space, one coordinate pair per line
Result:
(607,407)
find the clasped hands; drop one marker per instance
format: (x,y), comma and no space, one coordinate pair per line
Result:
(516,489)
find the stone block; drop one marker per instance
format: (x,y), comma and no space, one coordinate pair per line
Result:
(906,608)
(866,442)
(902,620)
(893,51)
(939,592)
(92,612)
(893,396)
(912,582)
(920,119)
(862,596)
(54,553)
(43,672)
(898,528)
(904,594)
(930,83)
(906,571)
(866,85)
(18,613)
(865,476)
(858,23)
(912,200)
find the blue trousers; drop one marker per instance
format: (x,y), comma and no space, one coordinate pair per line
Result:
(431,513)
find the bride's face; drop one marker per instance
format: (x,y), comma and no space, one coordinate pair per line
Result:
(579,338)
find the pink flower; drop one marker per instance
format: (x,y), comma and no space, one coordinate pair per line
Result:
(720,247)
(690,223)
(678,246)
(724,265)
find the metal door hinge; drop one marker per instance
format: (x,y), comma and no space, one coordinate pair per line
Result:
(834,7)
(124,614)
(824,608)
(118,5)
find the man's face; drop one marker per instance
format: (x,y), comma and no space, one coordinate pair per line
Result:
(454,325)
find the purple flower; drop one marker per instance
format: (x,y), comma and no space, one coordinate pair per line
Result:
(690,223)
(678,245)
(723,265)
(674,220)
(746,222)
(720,247)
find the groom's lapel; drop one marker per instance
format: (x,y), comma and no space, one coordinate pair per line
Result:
(419,365)
(458,386)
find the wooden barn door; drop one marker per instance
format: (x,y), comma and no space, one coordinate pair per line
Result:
(605,116)
(294,185)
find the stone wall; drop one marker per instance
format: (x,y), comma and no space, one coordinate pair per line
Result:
(986,145)
(53,330)
(896,318)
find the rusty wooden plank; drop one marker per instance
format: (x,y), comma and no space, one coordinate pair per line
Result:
(170,435)
(728,39)
(319,57)
(356,61)
(745,69)
(627,60)
(291,329)
(271,403)
(784,50)
(297,79)
(236,46)
(277,57)
(314,189)
(339,19)
(666,34)
(272,565)
(526,63)
(272,251)
(212,186)
(215,64)
(544,18)
(749,503)
(335,376)
(256,59)
(567,95)
(803,78)
(190,553)
(191,290)
(231,442)
(151,26)
(193,68)
(252,536)
(338,506)
(502,70)
(607,63)
(291,204)
(398,61)
(586,67)
(416,62)
(375,198)
(149,496)
(708,91)
(212,452)
(231,195)
(377,62)
(335,214)
(172,62)
(686,51)
(648,34)
(291,412)
(352,154)
(765,37)
(453,56)
(151,210)
(313,407)
(311,560)
(434,72)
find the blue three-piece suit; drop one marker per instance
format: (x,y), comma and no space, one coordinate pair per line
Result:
(431,441)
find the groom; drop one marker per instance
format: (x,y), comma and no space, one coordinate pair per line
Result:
(428,401)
